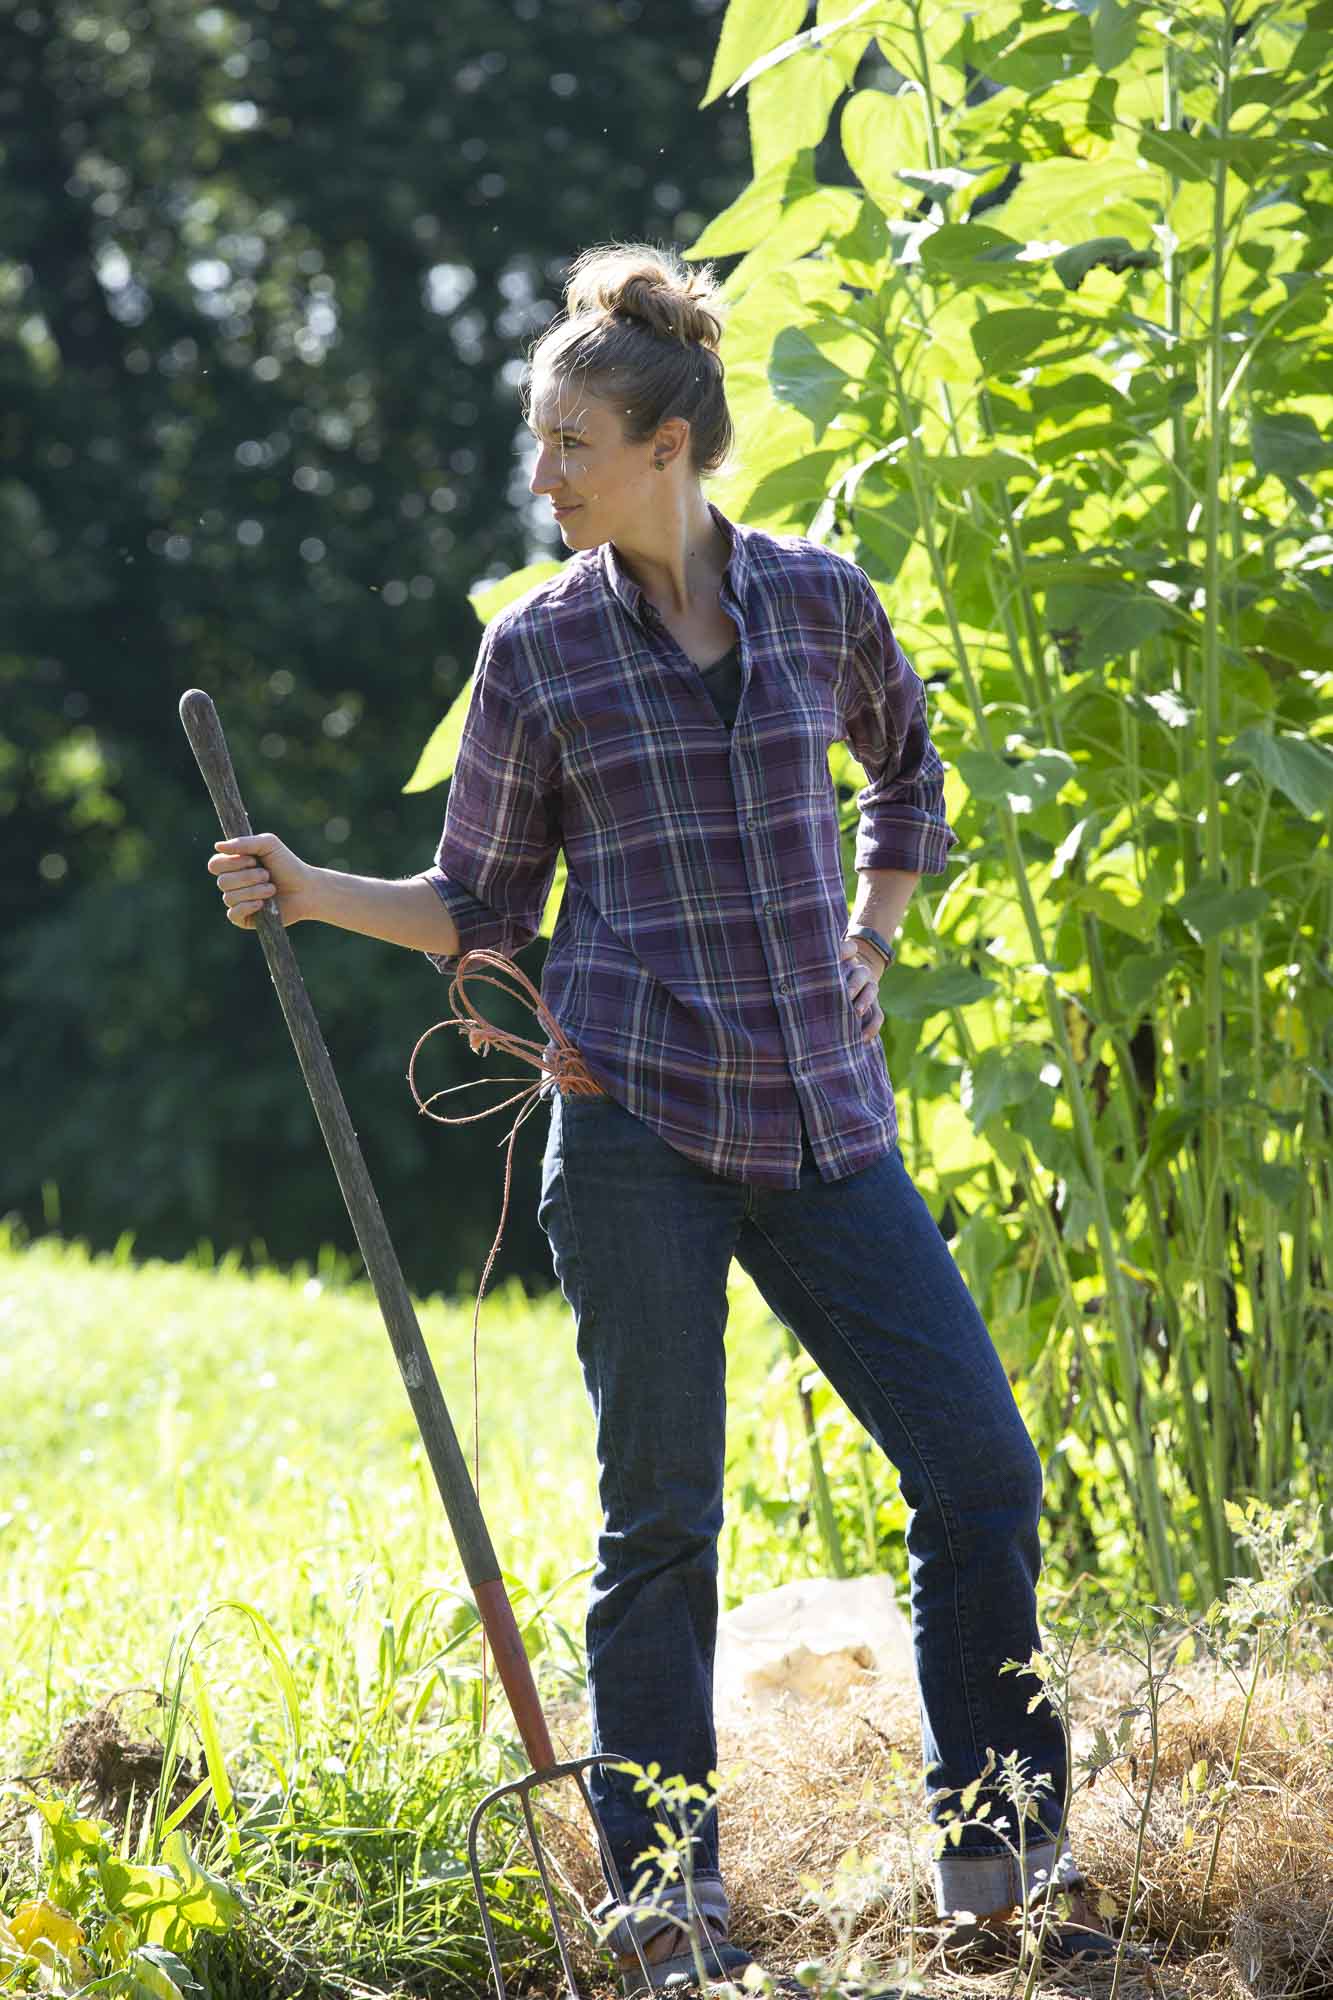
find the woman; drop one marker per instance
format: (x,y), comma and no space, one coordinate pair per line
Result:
(662,709)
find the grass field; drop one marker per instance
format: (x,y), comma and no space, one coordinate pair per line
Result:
(178,1436)
(218,1533)
(225,1462)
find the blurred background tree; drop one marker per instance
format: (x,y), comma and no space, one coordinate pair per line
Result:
(267,276)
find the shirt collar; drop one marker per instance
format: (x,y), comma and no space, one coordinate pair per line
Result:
(736,574)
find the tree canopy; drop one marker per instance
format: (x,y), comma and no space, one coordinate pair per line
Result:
(267,277)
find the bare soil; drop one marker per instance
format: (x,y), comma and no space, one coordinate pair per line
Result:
(113,1772)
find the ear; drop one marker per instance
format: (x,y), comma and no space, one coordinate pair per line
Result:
(671,440)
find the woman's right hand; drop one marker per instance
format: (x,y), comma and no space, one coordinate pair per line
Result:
(253,869)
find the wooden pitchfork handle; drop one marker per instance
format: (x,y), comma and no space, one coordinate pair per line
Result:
(414,1363)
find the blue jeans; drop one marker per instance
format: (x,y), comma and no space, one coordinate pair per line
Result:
(642,1240)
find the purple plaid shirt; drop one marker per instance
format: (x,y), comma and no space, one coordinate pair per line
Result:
(695,960)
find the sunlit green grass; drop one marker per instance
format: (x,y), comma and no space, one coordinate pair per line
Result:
(226,1463)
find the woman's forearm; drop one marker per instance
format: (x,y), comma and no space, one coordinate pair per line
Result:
(409,913)
(882,896)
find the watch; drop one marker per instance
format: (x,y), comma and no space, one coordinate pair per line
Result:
(881,944)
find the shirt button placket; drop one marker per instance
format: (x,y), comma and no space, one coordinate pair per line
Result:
(770,909)
(767,909)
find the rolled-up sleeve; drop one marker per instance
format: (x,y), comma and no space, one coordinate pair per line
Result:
(883,712)
(496,859)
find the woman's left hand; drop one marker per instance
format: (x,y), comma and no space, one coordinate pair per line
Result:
(863,985)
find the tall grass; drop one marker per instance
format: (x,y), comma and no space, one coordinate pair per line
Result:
(213,1498)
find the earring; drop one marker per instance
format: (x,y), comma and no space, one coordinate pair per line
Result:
(659,464)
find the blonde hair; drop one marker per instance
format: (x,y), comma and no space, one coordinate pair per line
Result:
(641,330)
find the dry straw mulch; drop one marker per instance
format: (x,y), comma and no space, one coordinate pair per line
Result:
(804,1788)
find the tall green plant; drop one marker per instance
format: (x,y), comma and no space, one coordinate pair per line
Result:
(1050,370)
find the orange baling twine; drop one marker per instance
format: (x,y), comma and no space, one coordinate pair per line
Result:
(557,1058)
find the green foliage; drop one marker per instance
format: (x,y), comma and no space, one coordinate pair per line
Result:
(1061,362)
(265,277)
(138,1921)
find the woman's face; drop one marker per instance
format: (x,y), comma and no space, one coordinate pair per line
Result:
(599,487)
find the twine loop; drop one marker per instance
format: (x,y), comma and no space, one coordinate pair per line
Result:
(557,1058)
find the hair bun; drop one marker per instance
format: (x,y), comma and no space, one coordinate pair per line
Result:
(637,281)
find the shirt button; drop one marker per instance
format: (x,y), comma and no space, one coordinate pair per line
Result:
(770,909)
(784,986)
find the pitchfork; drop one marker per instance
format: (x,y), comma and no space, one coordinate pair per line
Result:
(414,1363)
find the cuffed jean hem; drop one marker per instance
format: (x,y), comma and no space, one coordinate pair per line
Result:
(658,1905)
(980,1883)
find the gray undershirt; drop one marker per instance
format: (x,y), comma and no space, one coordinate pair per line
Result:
(723,682)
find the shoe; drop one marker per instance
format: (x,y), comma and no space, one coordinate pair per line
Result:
(677,1974)
(996,1940)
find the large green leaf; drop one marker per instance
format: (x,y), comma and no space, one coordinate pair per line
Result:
(794,489)
(1289,443)
(804,224)
(971,253)
(1023,784)
(860,251)
(881,134)
(1114,33)
(789,106)
(1012,338)
(77,1845)
(160,1973)
(1100,624)
(888,532)
(1072,199)
(835,33)
(146,1977)
(146,1895)
(845,29)
(749,29)
(1252,156)
(1214,907)
(207,1902)
(1116,253)
(801,373)
(913,992)
(1074,394)
(962,472)
(1001,1077)
(437,760)
(1138,976)
(493,597)
(1134,914)
(1295,765)
(757,209)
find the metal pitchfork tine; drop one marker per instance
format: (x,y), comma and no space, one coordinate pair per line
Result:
(470,1532)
